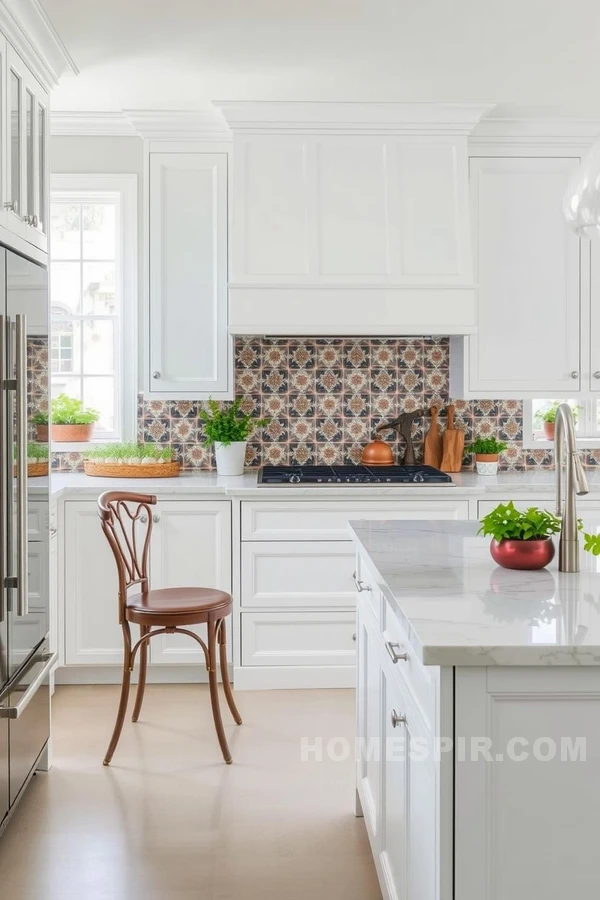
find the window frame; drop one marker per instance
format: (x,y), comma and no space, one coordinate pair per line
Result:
(90,187)
(589,435)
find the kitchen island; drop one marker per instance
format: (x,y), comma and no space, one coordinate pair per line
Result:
(478,717)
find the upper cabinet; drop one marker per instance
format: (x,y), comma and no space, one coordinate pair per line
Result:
(351,218)
(189,347)
(25,153)
(535,306)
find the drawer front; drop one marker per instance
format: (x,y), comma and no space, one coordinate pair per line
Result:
(298,639)
(418,679)
(302,574)
(302,520)
(37,521)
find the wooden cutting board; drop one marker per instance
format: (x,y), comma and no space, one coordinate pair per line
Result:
(432,447)
(453,443)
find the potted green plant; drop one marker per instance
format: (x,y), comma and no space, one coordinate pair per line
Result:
(548,417)
(487,451)
(38,459)
(40,420)
(228,428)
(520,539)
(71,421)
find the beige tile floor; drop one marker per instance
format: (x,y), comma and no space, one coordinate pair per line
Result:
(169,821)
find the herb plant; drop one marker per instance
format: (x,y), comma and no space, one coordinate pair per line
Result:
(226,424)
(69,411)
(487,445)
(592,543)
(506,523)
(123,452)
(549,415)
(40,418)
(36,451)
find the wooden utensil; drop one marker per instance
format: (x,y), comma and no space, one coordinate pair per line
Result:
(432,447)
(453,445)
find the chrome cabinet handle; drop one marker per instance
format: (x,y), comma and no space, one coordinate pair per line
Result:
(397,719)
(574,374)
(13,712)
(35,221)
(155,519)
(21,430)
(596,374)
(360,585)
(13,205)
(27,219)
(354,637)
(390,646)
(156,374)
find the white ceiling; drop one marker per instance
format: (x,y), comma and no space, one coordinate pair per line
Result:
(181,54)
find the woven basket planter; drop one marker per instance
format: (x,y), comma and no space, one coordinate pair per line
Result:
(126,470)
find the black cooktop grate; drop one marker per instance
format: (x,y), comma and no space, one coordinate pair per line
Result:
(352,475)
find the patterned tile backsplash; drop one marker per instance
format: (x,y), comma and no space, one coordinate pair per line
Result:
(325,397)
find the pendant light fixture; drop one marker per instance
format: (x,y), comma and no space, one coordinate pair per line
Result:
(581,204)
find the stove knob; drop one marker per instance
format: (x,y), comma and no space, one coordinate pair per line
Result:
(418,478)
(294,479)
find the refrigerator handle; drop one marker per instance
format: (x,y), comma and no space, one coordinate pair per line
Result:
(21,431)
(4,473)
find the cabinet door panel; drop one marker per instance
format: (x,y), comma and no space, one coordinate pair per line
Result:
(369,721)
(528,270)
(92,631)
(188,273)
(191,547)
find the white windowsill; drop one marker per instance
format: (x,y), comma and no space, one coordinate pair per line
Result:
(582,444)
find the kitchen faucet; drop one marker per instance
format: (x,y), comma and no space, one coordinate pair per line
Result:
(575,483)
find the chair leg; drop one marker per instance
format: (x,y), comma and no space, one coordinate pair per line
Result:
(124,694)
(214,689)
(225,674)
(139,696)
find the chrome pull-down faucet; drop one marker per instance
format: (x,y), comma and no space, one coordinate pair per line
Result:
(575,484)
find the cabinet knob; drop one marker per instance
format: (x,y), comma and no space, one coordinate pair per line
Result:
(397,719)
(12,205)
(143,519)
(574,374)
(34,221)
(155,519)
(156,374)
(391,649)
(27,219)
(354,637)
(596,374)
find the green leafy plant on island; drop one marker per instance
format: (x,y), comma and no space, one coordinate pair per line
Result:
(228,423)
(487,446)
(67,411)
(507,523)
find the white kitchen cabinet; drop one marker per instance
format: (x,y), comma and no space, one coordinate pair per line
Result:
(191,547)
(298,639)
(53,592)
(531,271)
(27,107)
(368,720)
(93,635)
(189,347)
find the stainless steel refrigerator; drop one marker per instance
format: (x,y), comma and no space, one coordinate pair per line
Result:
(25,658)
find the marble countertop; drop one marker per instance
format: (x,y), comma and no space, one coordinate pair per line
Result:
(459,609)
(506,484)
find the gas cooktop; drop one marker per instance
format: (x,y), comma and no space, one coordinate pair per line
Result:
(290,475)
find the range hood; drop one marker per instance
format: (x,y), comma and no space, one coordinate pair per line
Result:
(351,218)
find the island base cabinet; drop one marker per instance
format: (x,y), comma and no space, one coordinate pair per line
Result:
(527,802)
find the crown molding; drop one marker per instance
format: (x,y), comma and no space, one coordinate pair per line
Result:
(27,27)
(353,118)
(531,131)
(155,125)
(179,125)
(91,124)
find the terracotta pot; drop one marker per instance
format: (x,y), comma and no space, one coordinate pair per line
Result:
(72,432)
(41,433)
(377,453)
(549,430)
(523,554)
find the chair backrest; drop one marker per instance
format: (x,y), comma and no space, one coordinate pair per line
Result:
(127,523)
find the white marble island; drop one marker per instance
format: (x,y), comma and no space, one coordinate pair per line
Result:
(478,717)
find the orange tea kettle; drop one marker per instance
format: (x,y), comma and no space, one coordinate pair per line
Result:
(377,453)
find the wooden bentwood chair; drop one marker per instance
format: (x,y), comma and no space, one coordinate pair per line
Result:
(159,612)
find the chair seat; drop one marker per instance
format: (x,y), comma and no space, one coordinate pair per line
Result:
(177,606)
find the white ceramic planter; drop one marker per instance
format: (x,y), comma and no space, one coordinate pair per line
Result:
(487,466)
(230,458)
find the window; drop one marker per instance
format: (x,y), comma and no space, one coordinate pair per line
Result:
(93,296)
(538,413)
